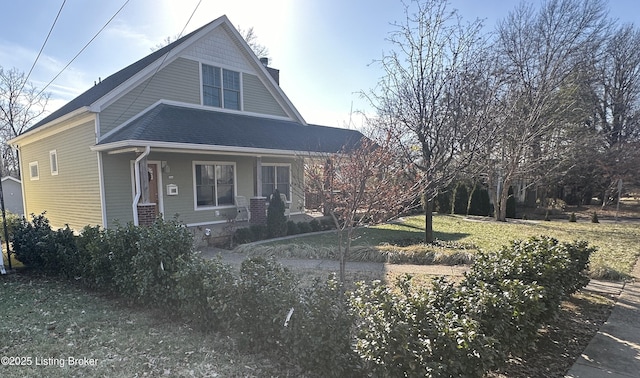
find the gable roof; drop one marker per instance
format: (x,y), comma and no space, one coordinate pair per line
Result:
(99,90)
(107,85)
(197,128)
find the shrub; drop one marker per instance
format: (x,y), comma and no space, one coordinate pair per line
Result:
(560,268)
(292,228)
(315,225)
(99,271)
(243,235)
(161,247)
(327,224)
(13,222)
(265,294)
(276,221)
(72,261)
(442,202)
(258,231)
(320,331)
(33,244)
(510,312)
(479,203)
(124,244)
(304,227)
(204,291)
(460,199)
(418,331)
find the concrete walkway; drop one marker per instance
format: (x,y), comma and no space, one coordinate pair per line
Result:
(614,351)
(236,259)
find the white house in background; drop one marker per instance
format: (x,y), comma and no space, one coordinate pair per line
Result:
(12,191)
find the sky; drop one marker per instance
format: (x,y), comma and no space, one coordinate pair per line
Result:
(325,49)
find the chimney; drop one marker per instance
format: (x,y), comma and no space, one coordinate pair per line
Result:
(275,74)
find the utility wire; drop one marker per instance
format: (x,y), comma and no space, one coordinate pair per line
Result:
(85,46)
(42,48)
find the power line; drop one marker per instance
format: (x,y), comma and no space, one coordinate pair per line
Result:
(42,48)
(85,46)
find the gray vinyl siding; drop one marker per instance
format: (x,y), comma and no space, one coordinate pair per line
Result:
(73,195)
(257,98)
(179,81)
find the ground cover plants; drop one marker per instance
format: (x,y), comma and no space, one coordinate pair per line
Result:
(440,329)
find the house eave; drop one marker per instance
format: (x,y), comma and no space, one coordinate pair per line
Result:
(57,121)
(132,145)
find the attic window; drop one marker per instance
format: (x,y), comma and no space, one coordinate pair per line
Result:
(34,172)
(220,87)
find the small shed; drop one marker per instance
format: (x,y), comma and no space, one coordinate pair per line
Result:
(12,191)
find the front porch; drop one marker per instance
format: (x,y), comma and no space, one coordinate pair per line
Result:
(221,234)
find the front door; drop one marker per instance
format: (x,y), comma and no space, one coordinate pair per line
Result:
(152,170)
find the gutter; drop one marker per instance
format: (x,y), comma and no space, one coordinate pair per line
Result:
(136,169)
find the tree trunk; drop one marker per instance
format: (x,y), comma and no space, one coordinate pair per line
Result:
(428,221)
(502,215)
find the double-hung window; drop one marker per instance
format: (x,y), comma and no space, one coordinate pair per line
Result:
(220,87)
(276,177)
(215,184)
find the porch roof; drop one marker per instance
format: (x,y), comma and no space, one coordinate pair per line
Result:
(167,124)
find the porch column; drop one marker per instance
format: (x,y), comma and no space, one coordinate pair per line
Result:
(144,181)
(258,210)
(259,176)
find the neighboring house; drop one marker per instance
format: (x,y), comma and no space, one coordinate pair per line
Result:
(12,193)
(185,130)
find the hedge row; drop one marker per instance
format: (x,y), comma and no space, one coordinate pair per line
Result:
(438,330)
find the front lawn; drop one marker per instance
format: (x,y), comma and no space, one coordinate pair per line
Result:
(48,322)
(618,243)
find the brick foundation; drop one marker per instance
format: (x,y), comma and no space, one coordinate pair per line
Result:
(146,214)
(258,210)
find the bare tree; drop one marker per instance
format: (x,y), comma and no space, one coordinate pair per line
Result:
(21,104)
(616,91)
(251,38)
(540,53)
(364,185)
(431,98)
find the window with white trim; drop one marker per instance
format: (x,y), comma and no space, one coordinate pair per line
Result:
(220,87)
(214,184)
(53,160)
(277,176)
(34,171)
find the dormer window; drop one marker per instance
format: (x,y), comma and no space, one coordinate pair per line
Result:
(220,87)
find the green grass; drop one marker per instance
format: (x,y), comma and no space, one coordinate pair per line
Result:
(49,319)
(618,243)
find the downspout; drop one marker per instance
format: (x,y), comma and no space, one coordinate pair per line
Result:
(138,186)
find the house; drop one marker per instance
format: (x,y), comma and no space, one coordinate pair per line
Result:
(186,130)
(12,193)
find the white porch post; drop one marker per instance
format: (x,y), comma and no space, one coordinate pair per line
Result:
(259,176)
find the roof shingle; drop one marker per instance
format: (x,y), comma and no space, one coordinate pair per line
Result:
(176,124)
